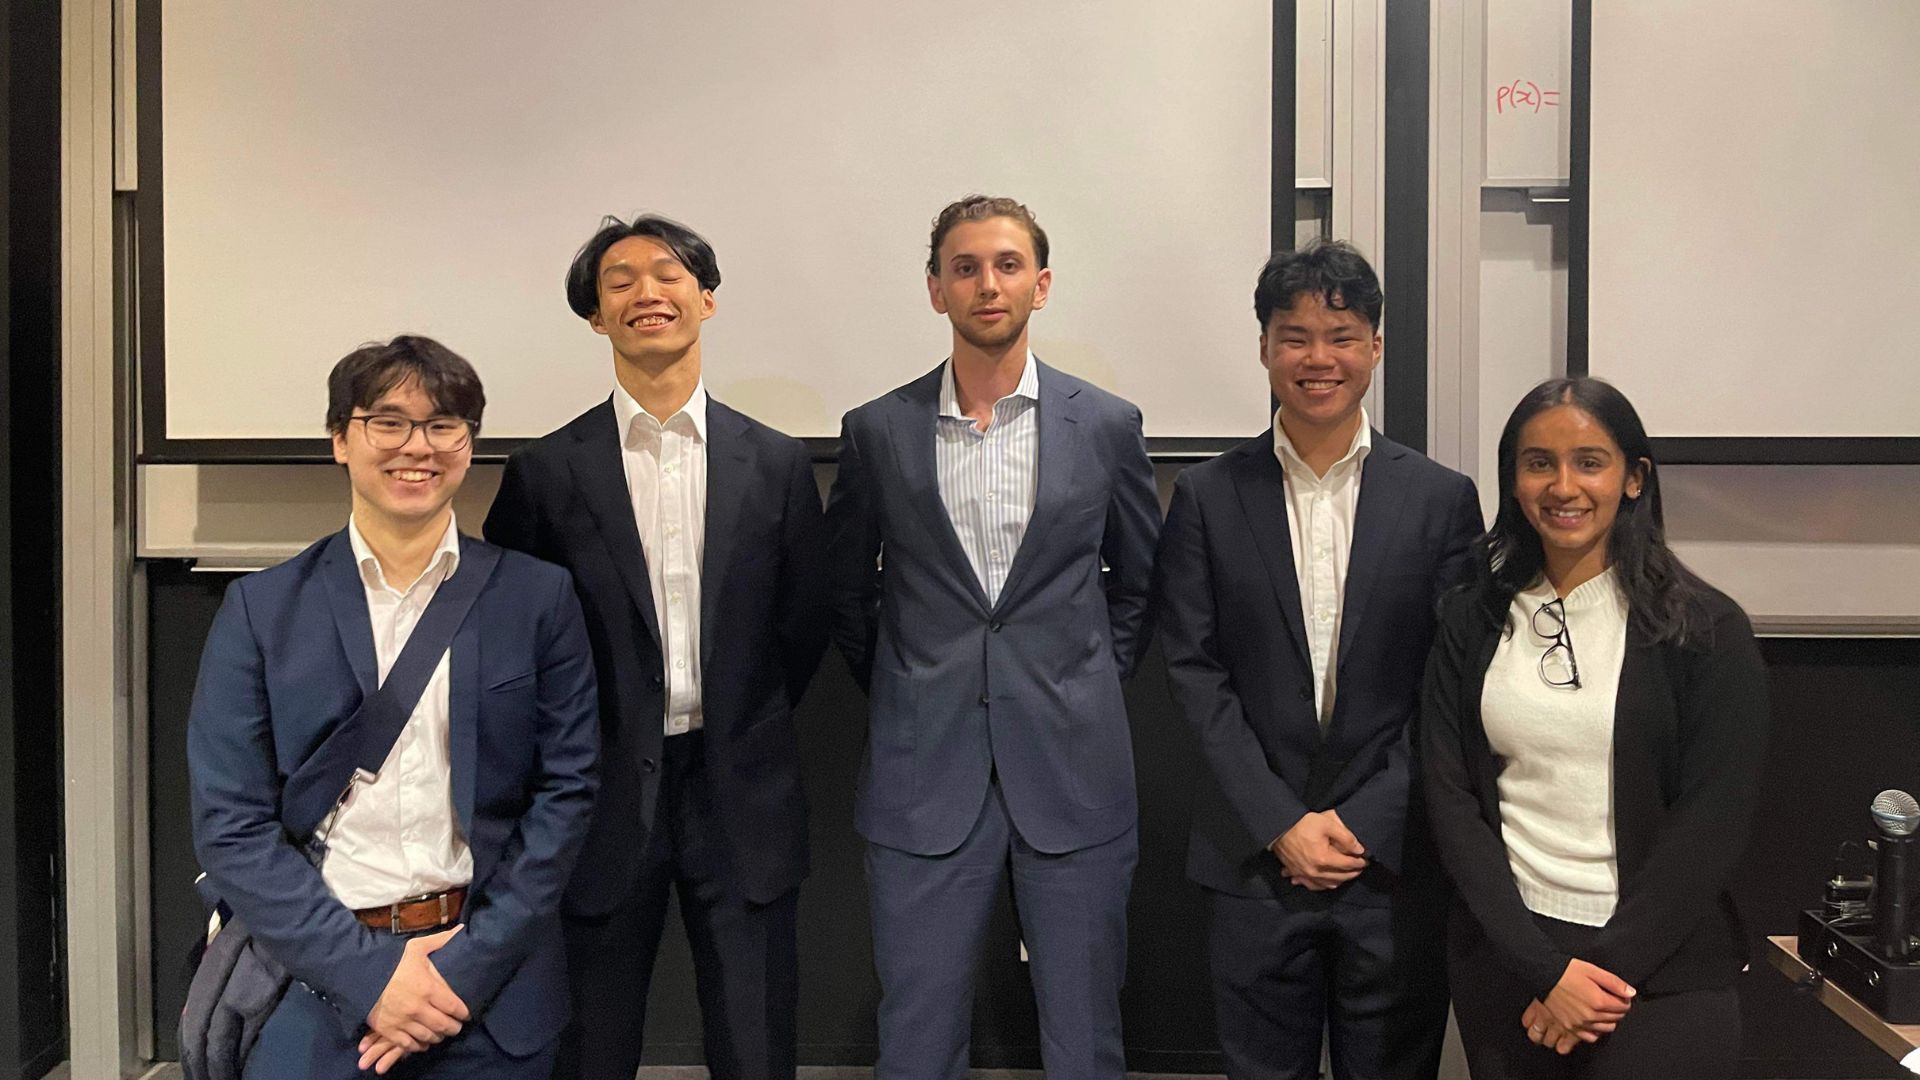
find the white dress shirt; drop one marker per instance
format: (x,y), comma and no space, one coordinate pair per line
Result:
(1320,512)
(988,478)
(666,466)
(1556,787)
(398,836)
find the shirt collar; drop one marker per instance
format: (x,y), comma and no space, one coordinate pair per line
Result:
(1029,388)
(627,411)
(1290,458)
(447,553)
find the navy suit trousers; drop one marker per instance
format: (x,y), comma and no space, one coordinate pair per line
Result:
(302,1040)
(745,954)
(929,920)
(1373,978)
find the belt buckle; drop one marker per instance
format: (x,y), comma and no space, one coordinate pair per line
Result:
(393,910)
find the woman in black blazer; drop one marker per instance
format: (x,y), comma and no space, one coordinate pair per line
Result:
(1592,735)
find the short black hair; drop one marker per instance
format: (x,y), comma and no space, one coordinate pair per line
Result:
(692,249)
(980,208)
(367,373)
(1333,270)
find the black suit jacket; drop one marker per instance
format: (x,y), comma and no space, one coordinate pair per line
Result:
(763,626)
(1236,648)
(1689,743)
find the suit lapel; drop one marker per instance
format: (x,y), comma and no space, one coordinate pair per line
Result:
(602,480)
(729,472)
(1375,521)
(1262,486)
(347,596)
(1059,420)
(914,421)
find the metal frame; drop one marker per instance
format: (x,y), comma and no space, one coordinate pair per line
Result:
(99,720)
(1405,194)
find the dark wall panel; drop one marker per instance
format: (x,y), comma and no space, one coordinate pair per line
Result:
(1845,726)
(32,973)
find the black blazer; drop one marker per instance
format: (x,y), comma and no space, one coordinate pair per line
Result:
(1689,741)
(762,628)
(1236,649)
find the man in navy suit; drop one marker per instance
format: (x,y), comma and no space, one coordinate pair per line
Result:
(695,540)
(969,520)
(1296,589)
(427,938)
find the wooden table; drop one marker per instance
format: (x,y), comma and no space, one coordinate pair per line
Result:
(1902,1041)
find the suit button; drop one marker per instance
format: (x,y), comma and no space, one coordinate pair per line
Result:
(1306,693)
(995,627)
(983,699)
(657,682)
(648,765)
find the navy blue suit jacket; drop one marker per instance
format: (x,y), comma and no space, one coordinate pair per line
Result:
(288,659)
(1029,686)
(1237,662)
(564,498)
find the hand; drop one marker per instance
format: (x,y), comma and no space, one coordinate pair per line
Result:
(1544,1030)
(417,1009)
(1319,852)
(378,1054)
(1588,1000)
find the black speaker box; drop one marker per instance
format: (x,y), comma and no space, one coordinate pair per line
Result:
(1845,956)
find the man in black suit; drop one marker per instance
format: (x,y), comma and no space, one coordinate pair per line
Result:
(1297,580)
(696,543)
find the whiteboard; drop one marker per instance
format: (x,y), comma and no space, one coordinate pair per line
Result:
(1527,76)
(341,172)
(1755,231)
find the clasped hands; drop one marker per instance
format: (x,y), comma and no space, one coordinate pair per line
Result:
(416,1010)
(1589,1001)
(1320,852)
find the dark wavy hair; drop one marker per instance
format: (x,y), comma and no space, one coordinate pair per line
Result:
(980,208)
(1664,598)
(692,249)
(1333,270)
(364,376)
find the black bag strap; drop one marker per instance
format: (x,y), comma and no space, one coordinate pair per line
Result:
(364,740)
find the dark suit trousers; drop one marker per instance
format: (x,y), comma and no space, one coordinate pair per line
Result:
(1692,1035)
(744,954)
(1373,977)
(929,921)
(303,1040)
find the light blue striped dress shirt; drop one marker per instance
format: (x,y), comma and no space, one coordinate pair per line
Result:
(988,478)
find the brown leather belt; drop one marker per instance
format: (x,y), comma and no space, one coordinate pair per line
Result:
(416,912)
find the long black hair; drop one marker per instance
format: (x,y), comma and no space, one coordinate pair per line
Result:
(1664,598)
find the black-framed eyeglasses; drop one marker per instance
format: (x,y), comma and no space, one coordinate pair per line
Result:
(390,431)
(1557,665)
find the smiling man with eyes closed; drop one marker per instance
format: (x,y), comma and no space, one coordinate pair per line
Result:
(694,535)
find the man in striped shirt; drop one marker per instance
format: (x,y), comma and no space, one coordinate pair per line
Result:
(970,518)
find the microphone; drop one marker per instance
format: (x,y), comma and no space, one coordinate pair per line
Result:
(1896,815)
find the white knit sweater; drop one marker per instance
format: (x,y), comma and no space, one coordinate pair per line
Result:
(1556,748)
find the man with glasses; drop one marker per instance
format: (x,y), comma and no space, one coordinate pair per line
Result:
(694,535)
(423,901)
(1297,581)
